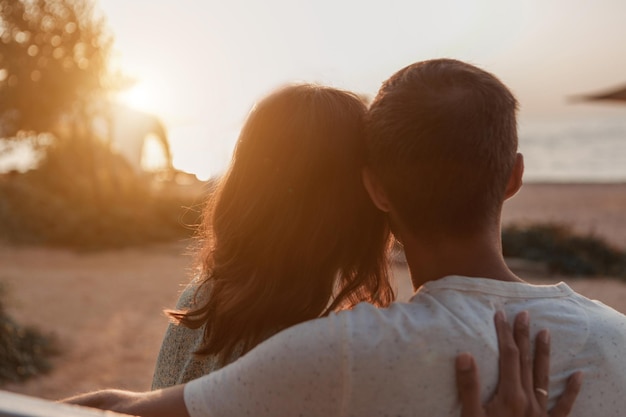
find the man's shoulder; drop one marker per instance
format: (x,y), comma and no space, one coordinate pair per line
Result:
(599,307)
(361,325)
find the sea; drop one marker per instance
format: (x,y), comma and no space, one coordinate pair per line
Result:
(588,150)
(583,150)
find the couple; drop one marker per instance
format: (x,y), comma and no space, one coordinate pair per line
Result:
(292,236)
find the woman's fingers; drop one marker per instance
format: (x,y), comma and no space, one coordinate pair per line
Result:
(566,400)
(541,368)
(521,333)
(522,382)
(509,362)
(468,386)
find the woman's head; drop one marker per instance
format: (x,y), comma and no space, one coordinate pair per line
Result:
(294,186)
(290,223)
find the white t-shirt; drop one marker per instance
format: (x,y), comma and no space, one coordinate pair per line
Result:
(399,361)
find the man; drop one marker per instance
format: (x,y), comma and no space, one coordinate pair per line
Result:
(443,158)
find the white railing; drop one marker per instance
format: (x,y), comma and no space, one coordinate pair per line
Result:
(18,405)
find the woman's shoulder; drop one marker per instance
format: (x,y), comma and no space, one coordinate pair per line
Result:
(190,295)
(177,363)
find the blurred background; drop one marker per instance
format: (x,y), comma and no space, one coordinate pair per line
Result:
(199,67)
(116,117)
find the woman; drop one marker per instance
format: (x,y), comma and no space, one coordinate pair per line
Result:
(288,235)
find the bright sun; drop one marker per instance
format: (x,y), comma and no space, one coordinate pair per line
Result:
(140,97)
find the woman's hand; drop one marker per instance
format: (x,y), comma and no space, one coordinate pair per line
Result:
(523,386)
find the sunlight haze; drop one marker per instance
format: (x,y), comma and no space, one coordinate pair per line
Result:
(201,66)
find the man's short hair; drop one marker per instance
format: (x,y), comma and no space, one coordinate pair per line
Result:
(442,139)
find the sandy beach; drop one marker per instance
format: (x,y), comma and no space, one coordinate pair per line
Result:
(105,307)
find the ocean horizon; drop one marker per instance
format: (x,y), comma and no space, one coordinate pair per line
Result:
(591,150)
(556,150)
(583,150)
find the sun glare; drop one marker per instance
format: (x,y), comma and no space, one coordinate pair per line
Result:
(140,97)
(153,156)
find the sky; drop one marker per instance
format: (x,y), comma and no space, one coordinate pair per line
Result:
(200,65)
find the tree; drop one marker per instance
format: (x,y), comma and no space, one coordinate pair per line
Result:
(54,81)
(53,62)
(53,74)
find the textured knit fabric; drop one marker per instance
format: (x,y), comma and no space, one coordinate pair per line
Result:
(399,361)
(176,363)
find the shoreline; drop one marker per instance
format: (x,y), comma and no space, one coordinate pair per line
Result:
(597,209)
(617,182)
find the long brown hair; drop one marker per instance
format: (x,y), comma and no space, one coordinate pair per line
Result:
(290,233)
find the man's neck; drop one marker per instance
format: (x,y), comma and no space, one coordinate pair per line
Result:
(476,256)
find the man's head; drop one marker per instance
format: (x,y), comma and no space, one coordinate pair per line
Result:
(442,144)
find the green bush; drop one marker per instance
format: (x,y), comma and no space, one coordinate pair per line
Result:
(564,251)
(87,197)
(24,351)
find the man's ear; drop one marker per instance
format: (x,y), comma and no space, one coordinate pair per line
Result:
(515,180)
(375,190)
